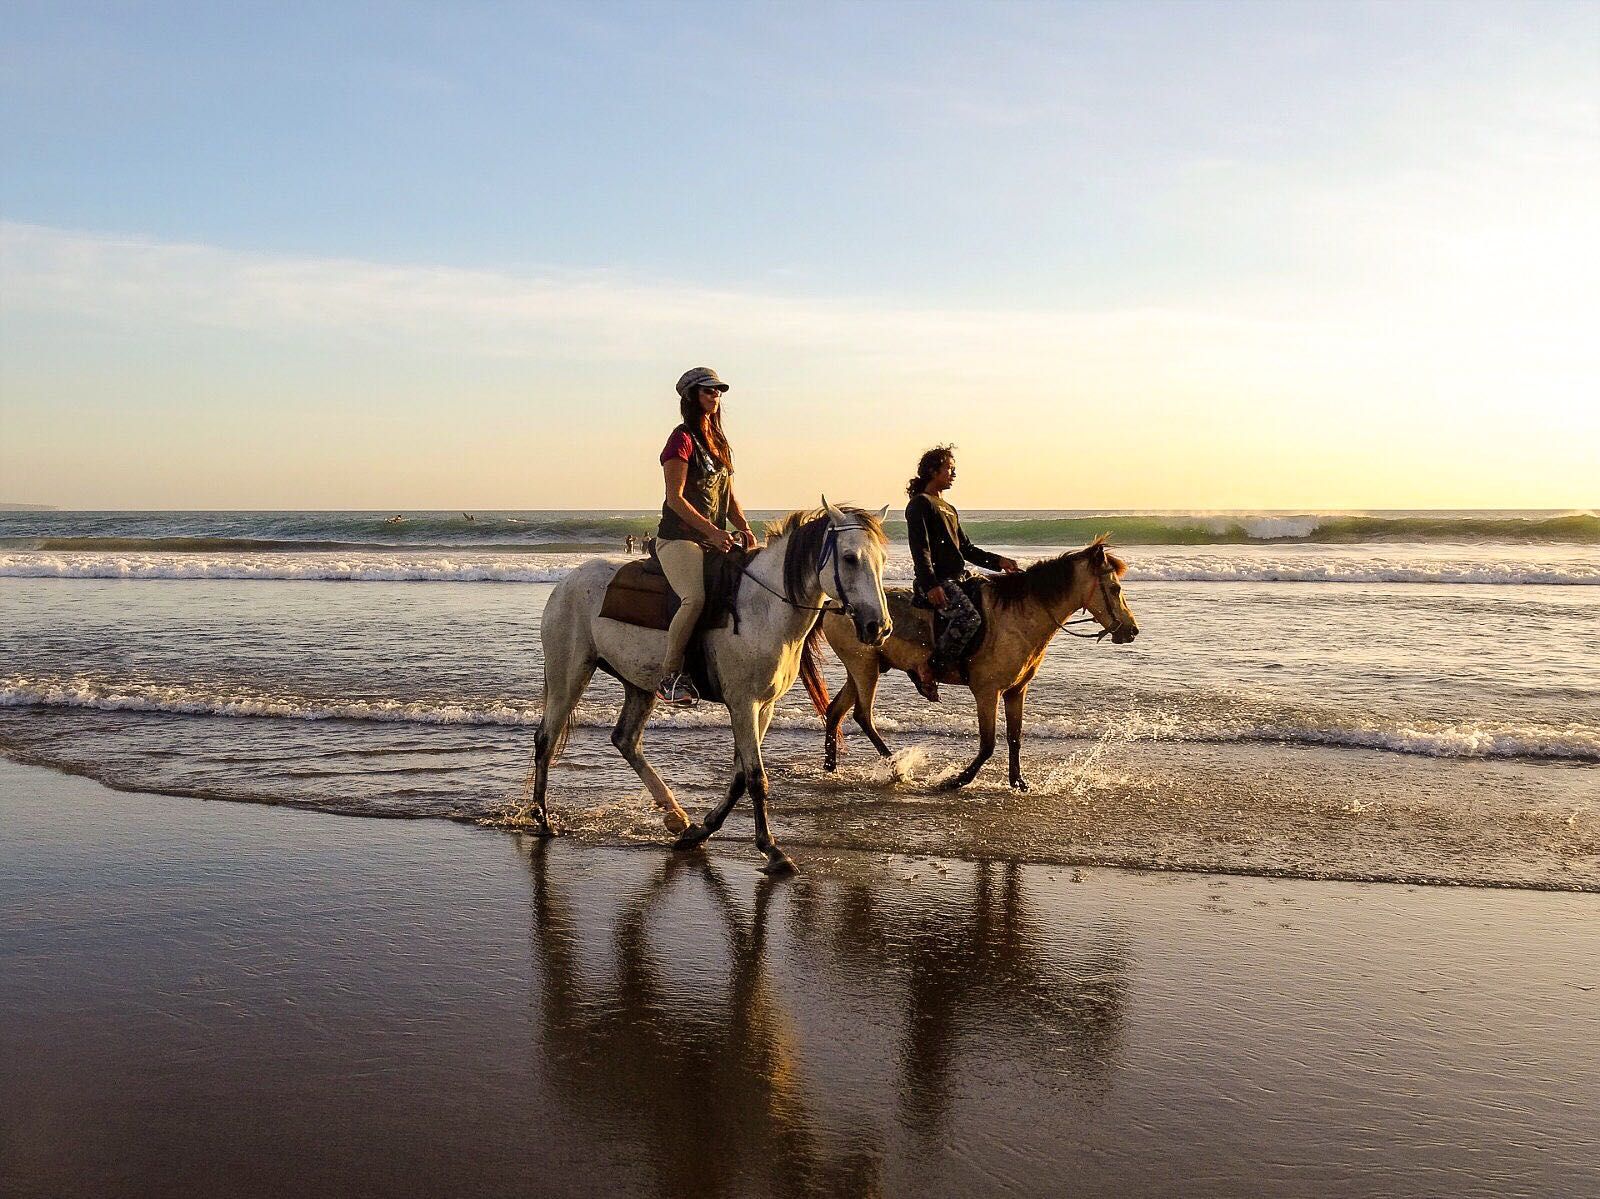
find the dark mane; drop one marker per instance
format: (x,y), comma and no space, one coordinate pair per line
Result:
(804,531)
(1049,580)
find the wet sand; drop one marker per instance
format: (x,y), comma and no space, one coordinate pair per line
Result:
(206,998)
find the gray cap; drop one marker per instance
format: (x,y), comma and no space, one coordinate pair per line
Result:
(699,376)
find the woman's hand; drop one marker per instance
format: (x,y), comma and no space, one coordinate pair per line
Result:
(747,537)
(1009,565)
(936,596)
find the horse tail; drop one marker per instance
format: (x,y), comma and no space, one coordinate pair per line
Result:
(811,673)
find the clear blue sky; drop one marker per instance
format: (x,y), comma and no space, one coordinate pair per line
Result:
(407,255)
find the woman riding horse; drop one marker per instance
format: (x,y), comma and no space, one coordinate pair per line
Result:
(940,551)
(697,463)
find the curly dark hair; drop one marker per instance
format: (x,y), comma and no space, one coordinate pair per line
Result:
(927,466)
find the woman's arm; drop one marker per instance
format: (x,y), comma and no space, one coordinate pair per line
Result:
(676,471)
(736,514)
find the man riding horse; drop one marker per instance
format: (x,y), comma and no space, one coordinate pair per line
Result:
(940,551)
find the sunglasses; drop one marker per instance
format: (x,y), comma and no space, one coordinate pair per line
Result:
(712,391)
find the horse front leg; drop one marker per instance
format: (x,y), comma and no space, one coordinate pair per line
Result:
(866,692)
(1014,699)
(987,700)
(746,738)
(830,725)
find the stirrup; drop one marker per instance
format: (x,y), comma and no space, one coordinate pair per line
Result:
(678,689)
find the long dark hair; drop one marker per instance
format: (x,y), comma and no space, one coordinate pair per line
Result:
(927,466)
(709,427)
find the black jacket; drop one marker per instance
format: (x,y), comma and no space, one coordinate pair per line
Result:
(939,547)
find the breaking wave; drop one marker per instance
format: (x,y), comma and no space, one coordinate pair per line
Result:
(274,532)
(1440,739)
(381,566)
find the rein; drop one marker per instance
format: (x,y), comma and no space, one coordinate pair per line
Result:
(830,546)
(1103,633)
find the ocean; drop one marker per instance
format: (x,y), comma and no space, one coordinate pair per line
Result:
(1411,696)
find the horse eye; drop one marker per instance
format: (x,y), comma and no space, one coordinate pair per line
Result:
(852,557)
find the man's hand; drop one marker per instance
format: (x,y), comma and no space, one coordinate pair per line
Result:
(1009,565)
(936,596)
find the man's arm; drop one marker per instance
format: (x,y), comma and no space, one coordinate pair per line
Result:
(917,516)
(984,558)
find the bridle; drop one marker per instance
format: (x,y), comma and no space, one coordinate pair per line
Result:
(828,552)
(1105,599)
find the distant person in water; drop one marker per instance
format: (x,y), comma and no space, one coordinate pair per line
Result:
(629,545)
(697,464)
(468,517)
(940,551)
(396,519)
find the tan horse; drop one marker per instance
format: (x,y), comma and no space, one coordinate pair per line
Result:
(1022,612)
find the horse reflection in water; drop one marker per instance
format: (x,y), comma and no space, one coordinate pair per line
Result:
(710,1085)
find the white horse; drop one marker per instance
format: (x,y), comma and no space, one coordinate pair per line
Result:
(829,560)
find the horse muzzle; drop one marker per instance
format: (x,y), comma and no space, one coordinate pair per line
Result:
(1124,633)
(873,632)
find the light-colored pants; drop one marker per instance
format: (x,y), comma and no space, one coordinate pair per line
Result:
(684,563)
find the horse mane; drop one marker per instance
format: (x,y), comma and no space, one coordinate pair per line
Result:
(1050,579)
(804,530)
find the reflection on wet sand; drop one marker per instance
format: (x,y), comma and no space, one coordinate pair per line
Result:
(711,1074)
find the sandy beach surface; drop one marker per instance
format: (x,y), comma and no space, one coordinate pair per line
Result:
(225,999)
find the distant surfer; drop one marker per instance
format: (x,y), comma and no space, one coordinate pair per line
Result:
(468,517)
(396,519)
(629,543)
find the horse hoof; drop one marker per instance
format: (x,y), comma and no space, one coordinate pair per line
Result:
(780,866)
(954,784)
(677,822)
(1020,784)
(692,838)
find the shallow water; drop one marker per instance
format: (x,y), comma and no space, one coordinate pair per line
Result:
(1364,729)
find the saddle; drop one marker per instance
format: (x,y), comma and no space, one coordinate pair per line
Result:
(640,595)
(919,623)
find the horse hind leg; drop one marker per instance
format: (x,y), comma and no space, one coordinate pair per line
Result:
(562,691)
(628,737)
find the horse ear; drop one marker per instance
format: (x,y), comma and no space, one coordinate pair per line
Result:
(834,514)
(1097,553)
(883,513)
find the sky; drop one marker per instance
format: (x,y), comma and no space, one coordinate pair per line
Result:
(1126,255)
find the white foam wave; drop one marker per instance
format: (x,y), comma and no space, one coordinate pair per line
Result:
(1440,739)
(1234,565)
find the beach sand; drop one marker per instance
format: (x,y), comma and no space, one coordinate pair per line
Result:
(226,999)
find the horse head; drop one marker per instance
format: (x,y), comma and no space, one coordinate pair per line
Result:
(850,569)
(1104,599)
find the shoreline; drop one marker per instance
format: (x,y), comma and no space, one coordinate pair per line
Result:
(734,837)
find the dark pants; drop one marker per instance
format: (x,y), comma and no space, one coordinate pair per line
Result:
(962,621)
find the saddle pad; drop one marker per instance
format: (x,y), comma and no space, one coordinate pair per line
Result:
(639,595)
(911,622)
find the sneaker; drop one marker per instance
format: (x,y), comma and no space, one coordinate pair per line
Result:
(678,689)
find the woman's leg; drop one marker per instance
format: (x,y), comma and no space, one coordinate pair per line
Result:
(684,565)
